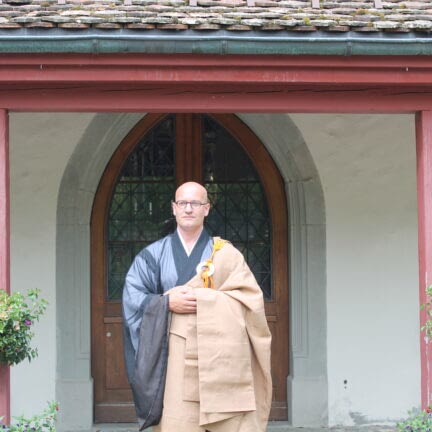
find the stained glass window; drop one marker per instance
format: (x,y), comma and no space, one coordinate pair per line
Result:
(239,206)
(140,211)
(140,207)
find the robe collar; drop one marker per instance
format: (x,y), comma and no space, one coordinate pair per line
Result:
(186,265)
(188,252)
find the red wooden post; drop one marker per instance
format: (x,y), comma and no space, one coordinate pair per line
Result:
(4,248)
(424,198)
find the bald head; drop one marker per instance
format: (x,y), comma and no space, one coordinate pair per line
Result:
(191,188)
(190,208)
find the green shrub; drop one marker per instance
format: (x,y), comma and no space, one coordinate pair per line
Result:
(17,316)
(418,421)
(44,422)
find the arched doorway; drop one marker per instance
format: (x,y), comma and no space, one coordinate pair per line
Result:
(132,206)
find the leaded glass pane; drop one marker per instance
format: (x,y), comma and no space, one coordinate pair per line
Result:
(140,206)
(239,207)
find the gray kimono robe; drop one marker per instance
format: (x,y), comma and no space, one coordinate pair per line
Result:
(156,269)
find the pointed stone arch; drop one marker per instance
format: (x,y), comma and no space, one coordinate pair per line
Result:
(307,384)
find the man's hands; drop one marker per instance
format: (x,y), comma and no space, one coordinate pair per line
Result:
(182,300)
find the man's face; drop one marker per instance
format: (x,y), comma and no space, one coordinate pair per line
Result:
(188,218)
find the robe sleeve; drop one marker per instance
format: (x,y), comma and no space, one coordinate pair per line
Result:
(142,281)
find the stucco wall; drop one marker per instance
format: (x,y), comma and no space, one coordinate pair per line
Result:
(367,169)
(40,147)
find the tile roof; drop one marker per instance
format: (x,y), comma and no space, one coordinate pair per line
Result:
(395,16)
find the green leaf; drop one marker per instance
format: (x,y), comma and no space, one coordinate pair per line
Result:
(18,314)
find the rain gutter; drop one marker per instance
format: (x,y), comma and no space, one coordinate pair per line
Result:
(94,41)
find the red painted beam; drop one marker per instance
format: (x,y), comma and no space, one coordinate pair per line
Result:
(183,98)
(198,83)
(4,248)
(214,69)
(424,198)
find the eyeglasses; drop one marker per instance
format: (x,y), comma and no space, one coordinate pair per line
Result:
(194,204)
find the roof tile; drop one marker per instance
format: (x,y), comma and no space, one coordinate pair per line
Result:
(141,26)
(418,24)
(90,20)
(304,28)
(58,19)
(74,26)
(272,27)
(232,15)
(396,30)
(288,22)
(157,20)
(40,24)
(207,26)
(9,26)
(105,26)
(223,21)
(23,19)
(338,28)
(367,29)
(386,25)
(266,3)
(160,8)
(254,22)
(18,2)
(239,27)
(251,9)
(269,15)
(192,21)
(322,23)
(172,26)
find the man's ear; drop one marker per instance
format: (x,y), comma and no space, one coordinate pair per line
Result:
(207,209)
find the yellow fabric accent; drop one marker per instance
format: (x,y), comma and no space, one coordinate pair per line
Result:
(207,279)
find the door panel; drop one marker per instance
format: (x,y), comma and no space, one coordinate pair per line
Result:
(115,378)
(132,209)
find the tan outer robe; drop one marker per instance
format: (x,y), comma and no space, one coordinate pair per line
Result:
(218,376)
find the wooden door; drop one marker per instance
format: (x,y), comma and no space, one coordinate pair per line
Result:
(132,209)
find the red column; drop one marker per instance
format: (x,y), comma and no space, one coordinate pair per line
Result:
(424,198)
(4,248)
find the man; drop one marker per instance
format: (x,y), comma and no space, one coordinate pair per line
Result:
(218,369)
